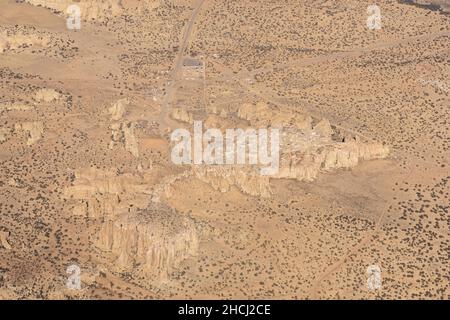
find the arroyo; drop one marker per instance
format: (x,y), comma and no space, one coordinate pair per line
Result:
(212,148)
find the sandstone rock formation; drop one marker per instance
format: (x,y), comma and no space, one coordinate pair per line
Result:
(123,132)
(116,135)
(131,142)
(4,239)
(183,115)
(306,166)
(90,9)
(302,166)
(34,130)
(104,193)
(11,40)
(306,149)
(46,95)
(306,153)
(164,187)
(323,128)
(246,179)
(154,240)
(118,109)
(135,231)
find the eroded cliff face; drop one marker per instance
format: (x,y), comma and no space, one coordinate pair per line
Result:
(134,229)
(155,240)
(307,153)
(163,189)
(122,132)
(90,9)
(182,115)
(307,165)
(139,231)
(105,193)
(307,149)
(246,179)
(301,166)
(130,139)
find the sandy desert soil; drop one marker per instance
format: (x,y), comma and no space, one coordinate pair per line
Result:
(87,179)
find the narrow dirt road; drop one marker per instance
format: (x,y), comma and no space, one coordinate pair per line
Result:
(315,289)
(354,53)
(175,73)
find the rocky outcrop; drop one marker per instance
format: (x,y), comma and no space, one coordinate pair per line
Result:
(33,129)
(300,165)
(131,142)
(4,239)
(90,9)
(104,193)
(307,149)
(118,109)
(123,132)
(12,40)
(164,186)
(323,129)
(136,233)
(246,179)
(46,95)
(307,153)
(155,240)
(307,165)
(183,115)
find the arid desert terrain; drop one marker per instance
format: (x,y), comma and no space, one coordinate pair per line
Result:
(93,206)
